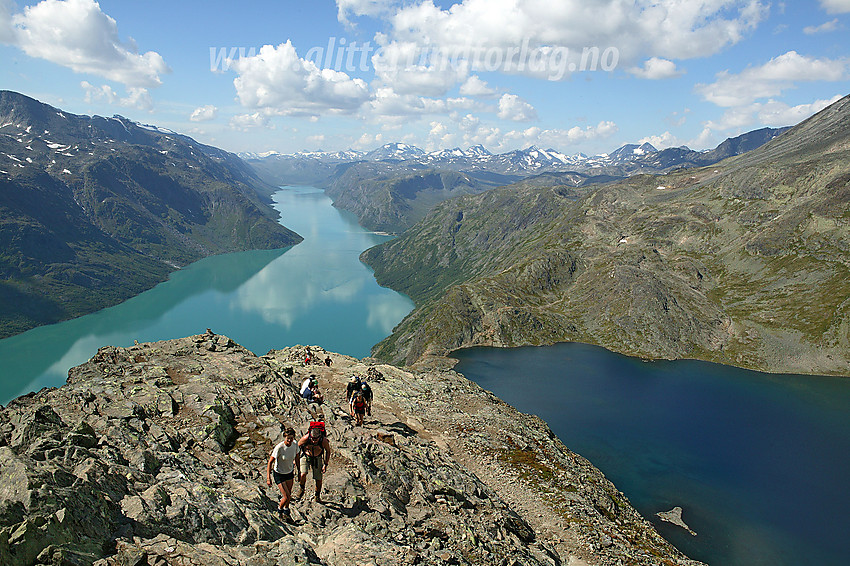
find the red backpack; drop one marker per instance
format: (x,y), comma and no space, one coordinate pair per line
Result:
(319,436)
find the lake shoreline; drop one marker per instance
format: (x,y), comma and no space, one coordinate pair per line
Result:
(449,361)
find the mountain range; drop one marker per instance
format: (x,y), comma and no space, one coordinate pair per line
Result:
(316,166)
(745,262)
(395,185)
(94,210)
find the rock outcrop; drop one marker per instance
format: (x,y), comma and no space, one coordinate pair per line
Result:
(156,454)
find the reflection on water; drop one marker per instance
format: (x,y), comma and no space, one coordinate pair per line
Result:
(317,292)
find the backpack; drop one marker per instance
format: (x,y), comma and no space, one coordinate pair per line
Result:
(320,436)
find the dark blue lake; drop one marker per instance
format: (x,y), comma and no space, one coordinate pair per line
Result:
(317,292)
(758,462)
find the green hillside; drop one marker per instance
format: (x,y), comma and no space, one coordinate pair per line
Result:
(746,262)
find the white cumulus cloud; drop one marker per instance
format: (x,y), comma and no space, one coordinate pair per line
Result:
(512,107)
(663,28)
(475,132)
(440,137)
(836,6)
(772,113)
(474,86)
(825,27)
(204,113)
(348,8)
(78,35)
(770,79)
(368,141)
(137,97)
(402,66)
(656,68)
(387,103)
(662,141)
(245,122)
(775,113)
(279,82)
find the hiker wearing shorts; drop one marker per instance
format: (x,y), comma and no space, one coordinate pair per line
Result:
(358,407)
(367,395)
(316,451)
(281,466)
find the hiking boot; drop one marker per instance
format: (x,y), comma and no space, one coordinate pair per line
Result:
(299,494)
(318,498)
(285,515)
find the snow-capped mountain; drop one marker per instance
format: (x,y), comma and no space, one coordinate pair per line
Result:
(623,161)
(631,151)
(344,155)
(395,151)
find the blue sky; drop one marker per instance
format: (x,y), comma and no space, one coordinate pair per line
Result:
(574,75)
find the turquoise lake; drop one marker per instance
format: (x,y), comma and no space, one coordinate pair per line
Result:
(315,293)
(758,462)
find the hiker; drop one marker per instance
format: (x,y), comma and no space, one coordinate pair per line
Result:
(367,395)
(353,385)
(328,361)
(318,397)
(310,392)
(358,407)
(316,450)
(307,388)
(282,466)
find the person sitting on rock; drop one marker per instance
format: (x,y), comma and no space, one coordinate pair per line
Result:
(358,407)
(282,467)
(306,389)
(316,450)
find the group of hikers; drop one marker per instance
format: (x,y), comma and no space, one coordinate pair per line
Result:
(285,461)
(310,358)
(313,448)
(359,397)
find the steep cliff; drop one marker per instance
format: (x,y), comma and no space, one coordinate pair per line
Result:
(390,197)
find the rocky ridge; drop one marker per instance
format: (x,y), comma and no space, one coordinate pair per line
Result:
(156,454)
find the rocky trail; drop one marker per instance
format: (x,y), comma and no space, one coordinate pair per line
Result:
(156,454)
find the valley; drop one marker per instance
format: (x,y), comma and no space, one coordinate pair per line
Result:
(96,210)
